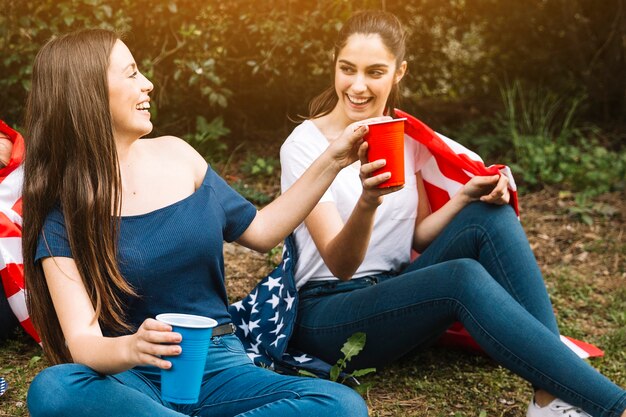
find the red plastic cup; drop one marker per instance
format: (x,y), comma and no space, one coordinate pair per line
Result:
(386,141)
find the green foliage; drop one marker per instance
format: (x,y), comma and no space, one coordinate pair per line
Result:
(206,137)
(25,26)
(257,62)
(548,148)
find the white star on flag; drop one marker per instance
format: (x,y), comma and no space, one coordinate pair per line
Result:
(274,301)
(272,282)
(254,347)
(243,326)
(239,305)
(253,297)
(254,310)
(275,318)
(253,324)
(289,300)
(275,342)
(253,356)
(302,359)
(279,326)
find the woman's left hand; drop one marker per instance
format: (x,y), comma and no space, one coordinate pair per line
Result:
(491,189)
(344,149)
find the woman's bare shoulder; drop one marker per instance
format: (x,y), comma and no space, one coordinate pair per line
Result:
(171,150)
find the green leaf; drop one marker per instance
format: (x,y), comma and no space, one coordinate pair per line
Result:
(586,219)
(353,345)
(363,388)
(34,360)
(302,372)
(334,373)
(361,372)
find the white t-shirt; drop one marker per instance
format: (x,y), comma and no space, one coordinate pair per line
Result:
(389,248)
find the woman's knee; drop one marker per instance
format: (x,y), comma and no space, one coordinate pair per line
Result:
(50,393)
(489,215)
(337,400)
(347,402)
(465,268)
(470,276)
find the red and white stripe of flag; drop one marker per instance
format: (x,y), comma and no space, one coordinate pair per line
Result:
(11,261)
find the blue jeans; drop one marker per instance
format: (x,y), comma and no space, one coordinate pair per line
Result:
(232,386)
(480,271)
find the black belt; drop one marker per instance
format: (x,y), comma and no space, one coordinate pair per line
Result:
(224,329)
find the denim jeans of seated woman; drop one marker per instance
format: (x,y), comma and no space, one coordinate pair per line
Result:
(480,271)
(232,386)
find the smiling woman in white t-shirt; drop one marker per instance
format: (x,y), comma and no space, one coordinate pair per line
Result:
(354,269)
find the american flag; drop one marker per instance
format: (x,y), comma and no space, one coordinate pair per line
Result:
(265,318)
(11,263)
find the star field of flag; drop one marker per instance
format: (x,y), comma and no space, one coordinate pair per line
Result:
(265,320)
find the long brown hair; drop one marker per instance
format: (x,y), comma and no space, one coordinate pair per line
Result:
(368,22)
(71,160)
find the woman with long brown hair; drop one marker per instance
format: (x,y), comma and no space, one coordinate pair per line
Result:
(118,229)
(354,270)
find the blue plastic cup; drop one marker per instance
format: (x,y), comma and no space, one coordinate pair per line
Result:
(181,383)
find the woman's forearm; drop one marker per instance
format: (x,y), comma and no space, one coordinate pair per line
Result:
(275,221)
(429,228)
(345,252)
(107,355)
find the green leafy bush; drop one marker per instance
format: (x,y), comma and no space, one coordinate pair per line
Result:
(548,148)
(253,63)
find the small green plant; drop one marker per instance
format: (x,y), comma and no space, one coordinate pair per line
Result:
(257,166)
(353,346)
(585,208)
(251,193)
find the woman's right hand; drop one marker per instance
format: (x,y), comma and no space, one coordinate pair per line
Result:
(372,195)
(152,340)
(345,149)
